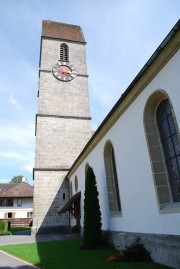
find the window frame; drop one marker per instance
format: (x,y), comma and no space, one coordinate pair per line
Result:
(156,153)
(165,143)
(19,202)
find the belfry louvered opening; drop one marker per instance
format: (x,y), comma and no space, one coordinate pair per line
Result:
(64,53)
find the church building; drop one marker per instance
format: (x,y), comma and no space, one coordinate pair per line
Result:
(135,152)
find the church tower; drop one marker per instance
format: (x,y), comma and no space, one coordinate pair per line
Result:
(63,120)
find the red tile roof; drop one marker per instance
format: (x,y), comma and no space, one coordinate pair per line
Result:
(62,31)
(16,190)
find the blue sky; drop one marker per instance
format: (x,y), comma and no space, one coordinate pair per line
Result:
(121,35)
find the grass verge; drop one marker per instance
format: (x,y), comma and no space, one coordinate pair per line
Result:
(67,255)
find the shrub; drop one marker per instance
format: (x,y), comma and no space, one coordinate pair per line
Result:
(9,225)
(136,253)
(5,233)
(3,227)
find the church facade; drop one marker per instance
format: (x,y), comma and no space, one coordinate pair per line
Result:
(135,155)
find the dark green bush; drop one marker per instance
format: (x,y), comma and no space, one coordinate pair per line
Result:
(136,253)
(9,225)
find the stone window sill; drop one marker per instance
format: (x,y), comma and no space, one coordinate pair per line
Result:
(170,208)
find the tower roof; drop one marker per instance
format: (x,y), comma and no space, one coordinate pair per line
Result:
(62,31)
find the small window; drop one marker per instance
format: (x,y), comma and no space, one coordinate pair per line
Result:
(64,196)
(64,53)
(76,183)
(29,215)
(70,190)
(9,215)
(6,202)
(19,202)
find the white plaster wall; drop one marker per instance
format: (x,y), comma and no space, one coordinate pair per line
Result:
(26,203)
(137,193)
(1,214)
(20,211)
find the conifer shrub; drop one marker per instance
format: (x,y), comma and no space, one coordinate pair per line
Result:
(92,235)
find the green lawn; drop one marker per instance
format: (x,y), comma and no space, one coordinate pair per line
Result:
(68,255)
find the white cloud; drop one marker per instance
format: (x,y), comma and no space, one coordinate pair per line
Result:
(17,148)
(22,135)
(17,156)
(14,102)
(28,167)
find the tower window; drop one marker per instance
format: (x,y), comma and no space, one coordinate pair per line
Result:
(64,53)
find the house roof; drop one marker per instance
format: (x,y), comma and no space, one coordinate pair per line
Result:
(19,190)
(160,57)
(62,31)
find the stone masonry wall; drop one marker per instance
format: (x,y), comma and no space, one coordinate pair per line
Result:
(50,54)
(67,99)
(59,141)
(48,199)
(165,249)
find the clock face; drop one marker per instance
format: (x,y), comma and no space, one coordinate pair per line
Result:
(64,71)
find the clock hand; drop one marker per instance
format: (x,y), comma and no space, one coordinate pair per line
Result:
(68,73)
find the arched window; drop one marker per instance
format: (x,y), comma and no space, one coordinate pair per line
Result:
(171,147)
(64,52)
(86,168)
(164,148)
(111,179)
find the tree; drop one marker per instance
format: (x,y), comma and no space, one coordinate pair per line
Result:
(92,234)
(16,179)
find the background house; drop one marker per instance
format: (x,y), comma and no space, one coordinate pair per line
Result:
(16,203)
